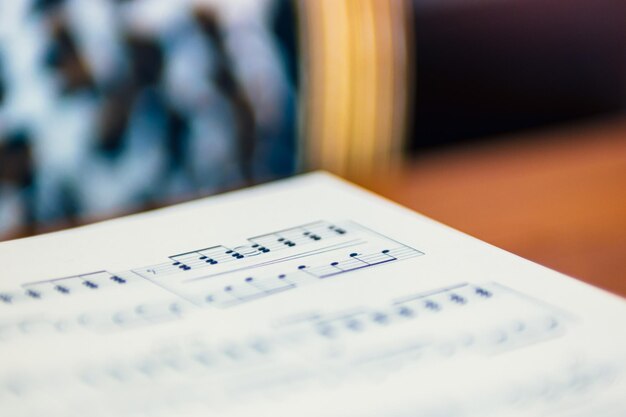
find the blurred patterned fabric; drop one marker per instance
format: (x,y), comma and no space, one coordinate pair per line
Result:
(111,106)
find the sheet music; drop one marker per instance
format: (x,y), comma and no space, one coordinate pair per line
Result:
(303,297)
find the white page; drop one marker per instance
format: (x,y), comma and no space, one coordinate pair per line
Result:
(303,297)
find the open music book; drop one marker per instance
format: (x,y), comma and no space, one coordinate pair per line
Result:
(304,297)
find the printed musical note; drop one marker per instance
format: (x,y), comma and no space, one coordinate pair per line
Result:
(67,286)
(459,295)
(315,250)
(264,245)
(252,288)
(358,260)
(205,258)
(62,289)
(298,236)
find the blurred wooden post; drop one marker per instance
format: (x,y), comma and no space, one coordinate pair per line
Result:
(356,66)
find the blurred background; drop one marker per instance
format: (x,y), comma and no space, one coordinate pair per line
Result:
(503,118)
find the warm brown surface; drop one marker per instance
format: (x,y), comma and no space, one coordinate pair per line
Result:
(557,197)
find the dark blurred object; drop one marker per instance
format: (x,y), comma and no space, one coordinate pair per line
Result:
(284,23)
(489,67)
(146,58)
(42,6)
(224,78)
(2,82)
(113,121)
(17,171)
(16,163)
(63,56)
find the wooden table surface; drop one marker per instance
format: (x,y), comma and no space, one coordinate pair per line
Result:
(557,197)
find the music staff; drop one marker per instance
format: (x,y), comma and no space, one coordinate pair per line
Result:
(357,260)
(257,246)
(256,287)
(352,246)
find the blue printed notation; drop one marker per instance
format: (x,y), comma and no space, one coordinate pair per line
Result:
(358,260)
(445,299)
(385,339)
(257,247)
(297,236)
(452,308)
(114,317)
(208,257)
(253,287)
(65,286)
(422,305)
